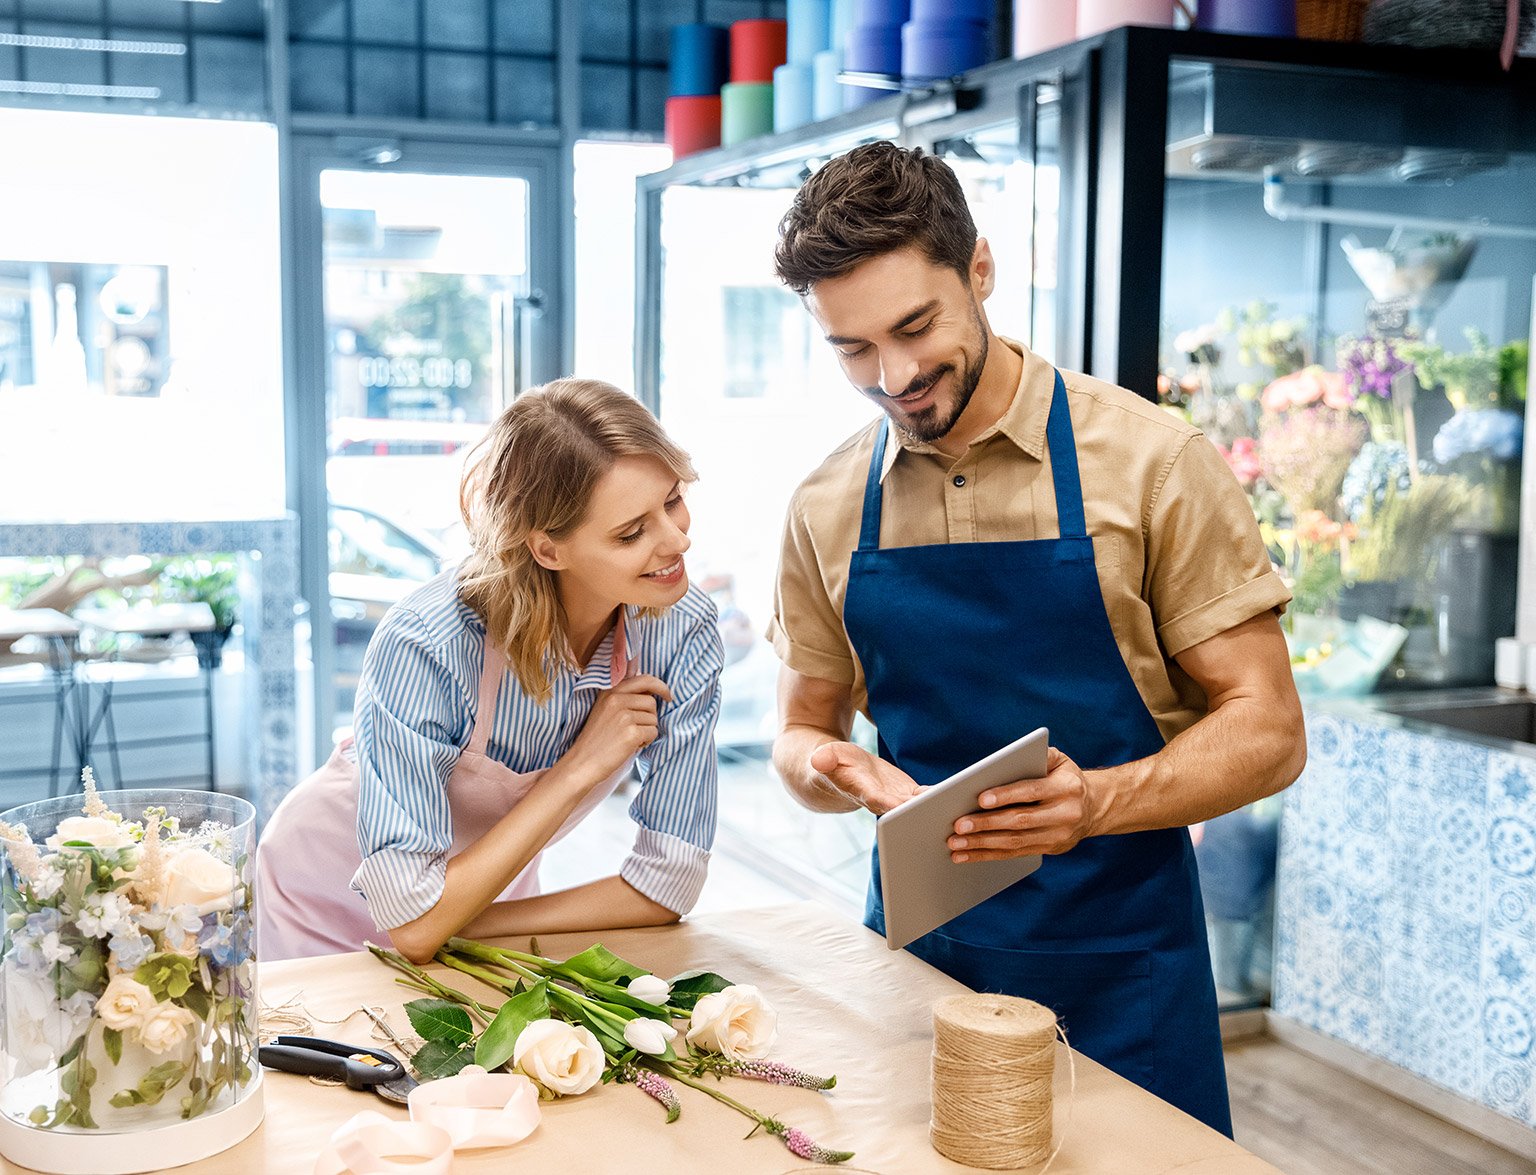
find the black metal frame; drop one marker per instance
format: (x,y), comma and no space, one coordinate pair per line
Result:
(1113,90)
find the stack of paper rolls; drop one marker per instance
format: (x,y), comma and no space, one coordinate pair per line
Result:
(794,82)
(1039,25)
(699,67)
(874,44)
(758,47)
(945,38)
(829,95)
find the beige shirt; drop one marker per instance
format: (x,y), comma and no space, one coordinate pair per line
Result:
(1176,546)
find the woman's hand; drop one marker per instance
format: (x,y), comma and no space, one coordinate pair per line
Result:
(622,723)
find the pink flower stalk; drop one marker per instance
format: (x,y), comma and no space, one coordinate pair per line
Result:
(1243,457)
(799,1143)
(652,1084)
(777,1074)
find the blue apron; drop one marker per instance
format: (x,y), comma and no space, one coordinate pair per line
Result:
(967,646)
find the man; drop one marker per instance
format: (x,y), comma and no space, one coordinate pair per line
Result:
(1012,547)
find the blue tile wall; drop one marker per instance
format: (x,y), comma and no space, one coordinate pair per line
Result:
(1406,905)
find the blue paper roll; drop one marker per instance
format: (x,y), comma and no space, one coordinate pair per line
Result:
(951,11)
(881,13)
(841,21)
(793,96)
(827,92)
(701,60)
(943,50)
(873,49)
(809,24)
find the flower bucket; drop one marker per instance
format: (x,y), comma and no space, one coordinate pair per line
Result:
(128,981)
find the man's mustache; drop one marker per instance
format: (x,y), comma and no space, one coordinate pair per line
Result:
(919,385)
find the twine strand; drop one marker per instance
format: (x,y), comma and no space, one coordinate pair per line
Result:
(994,1061)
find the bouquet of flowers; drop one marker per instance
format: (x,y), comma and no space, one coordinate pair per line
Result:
(126,967)
(596,1018)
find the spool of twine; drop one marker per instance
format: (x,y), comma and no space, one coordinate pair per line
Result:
(993,1060)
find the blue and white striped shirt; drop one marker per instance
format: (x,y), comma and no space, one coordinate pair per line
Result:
(415,712)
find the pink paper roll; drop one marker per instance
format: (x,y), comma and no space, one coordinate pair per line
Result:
(1039,25)
(1095,16)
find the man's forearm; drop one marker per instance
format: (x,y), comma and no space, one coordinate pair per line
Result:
(1242,751)
(792,758)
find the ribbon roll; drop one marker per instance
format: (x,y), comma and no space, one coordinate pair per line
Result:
(478,1108)
(371,1144)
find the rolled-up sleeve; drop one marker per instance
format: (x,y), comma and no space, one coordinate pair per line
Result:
(675,808)
(409,726)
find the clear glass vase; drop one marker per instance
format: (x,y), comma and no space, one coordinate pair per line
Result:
(127,971)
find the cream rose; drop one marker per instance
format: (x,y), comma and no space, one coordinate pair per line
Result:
(563,1058)
(649,1036)
(125,1003)
(195,877)
(737,1022)
(93,830)
(164,1028)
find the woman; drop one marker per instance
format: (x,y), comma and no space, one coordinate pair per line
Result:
(501,702)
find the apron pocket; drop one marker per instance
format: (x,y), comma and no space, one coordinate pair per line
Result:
(1103,999)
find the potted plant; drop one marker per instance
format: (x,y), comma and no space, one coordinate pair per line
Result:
(211,580)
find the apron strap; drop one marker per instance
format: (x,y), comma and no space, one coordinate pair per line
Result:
(491,675)
(1063,450)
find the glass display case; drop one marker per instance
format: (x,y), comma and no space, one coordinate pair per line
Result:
(1320,253)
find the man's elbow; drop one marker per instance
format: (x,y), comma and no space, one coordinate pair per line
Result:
(1293,757)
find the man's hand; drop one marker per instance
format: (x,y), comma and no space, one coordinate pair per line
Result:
(864,778)
(1031,816)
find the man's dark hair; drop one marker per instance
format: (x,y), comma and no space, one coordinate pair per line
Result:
(874,200)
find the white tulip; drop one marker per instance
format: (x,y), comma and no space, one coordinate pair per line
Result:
(565,1059)
(649,1036)
(650,989)
(737,1023)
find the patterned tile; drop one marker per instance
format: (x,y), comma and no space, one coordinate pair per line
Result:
(1406,905)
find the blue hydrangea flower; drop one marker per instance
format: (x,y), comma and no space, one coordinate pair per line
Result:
(1379,464)
(1491,432)
(131,949)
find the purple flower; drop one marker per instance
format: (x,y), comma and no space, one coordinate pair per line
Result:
(799,1143)
(652,1084)
(1369,365)
(779,1074)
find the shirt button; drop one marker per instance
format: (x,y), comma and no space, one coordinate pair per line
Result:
(959,479)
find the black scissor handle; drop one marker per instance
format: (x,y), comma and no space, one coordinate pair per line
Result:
(312,1056)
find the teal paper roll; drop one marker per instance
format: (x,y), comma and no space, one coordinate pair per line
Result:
(827,93)
(746,111)
(794,89)
(809,21)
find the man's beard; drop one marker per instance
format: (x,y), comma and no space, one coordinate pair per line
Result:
(936,420)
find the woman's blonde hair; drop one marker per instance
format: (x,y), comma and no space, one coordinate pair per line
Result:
(535,469)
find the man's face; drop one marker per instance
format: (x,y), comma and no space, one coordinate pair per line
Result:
(909,335)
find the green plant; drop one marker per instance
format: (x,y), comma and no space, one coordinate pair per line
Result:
(1514,372)
(1470,378)
(1398,539)
(210,580)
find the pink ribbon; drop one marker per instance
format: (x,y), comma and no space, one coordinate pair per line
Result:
(1511,33)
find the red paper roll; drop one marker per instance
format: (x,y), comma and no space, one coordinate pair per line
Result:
(758,47)
(692,124)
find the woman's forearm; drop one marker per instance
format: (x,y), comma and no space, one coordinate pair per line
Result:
(605,904)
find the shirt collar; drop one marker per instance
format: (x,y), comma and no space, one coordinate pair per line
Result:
(599,671)
(1023,422)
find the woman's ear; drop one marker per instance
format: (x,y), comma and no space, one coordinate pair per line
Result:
(545,551)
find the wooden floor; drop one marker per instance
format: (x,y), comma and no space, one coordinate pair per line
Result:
(1308,1118)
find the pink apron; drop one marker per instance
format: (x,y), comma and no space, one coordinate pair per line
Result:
(308,851)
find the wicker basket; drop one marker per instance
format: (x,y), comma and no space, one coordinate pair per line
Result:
(1331,20)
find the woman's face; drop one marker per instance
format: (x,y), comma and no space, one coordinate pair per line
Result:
(629,548)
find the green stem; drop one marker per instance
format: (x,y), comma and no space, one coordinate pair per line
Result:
(420,981)
(760,1119)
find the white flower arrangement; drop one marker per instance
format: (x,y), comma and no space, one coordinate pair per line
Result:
(126,969)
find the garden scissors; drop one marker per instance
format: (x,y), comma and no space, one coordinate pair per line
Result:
(361,1068)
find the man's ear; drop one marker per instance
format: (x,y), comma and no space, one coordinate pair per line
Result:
(983,270)
(545,551)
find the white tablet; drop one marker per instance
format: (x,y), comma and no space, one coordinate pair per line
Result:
(921,887)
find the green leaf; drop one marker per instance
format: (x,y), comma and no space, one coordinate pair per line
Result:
(613,1041)
(494,1049)
(72,1052)
(689,987)
(622,1002)
(441,1058)
(598,962)
(167,974)
(440,1020)
(197,1001)
(113,1040)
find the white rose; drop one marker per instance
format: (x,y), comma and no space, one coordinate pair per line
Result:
(94,830)
(737,1022)
(125,1003)
(195,877)
(650,989)
(563,1058)
(164,1028)
(649,1036)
